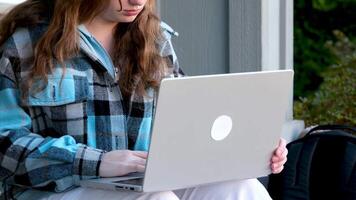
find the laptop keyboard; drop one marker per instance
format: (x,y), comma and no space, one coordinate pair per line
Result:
(135,181)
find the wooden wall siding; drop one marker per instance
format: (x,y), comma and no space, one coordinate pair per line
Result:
(216,36)
(245,35)
(202,45)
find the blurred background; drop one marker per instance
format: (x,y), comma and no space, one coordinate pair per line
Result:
(325,61)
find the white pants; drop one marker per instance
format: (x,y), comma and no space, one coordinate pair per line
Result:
(250,189)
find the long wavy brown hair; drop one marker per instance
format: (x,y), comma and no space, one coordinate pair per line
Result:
(135,50)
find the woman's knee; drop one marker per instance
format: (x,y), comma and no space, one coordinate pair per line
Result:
(244,189)
(161,196)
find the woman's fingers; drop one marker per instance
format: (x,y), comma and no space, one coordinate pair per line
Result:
(140,168)
(279,157)
(276,167)
(278,170)
(139,161)
(281,147)
(134,168)
(141,154)
(276,158)
(279,163)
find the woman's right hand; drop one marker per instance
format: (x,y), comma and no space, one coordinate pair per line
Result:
(122,162)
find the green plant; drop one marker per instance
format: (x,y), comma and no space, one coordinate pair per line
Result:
(314,22)
(335,101)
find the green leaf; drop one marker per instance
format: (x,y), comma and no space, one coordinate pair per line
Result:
(325,5)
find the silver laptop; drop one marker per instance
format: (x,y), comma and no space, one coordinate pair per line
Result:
(210,129)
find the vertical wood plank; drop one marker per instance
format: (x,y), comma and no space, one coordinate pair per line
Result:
(286,34)
(245,35)
(270,34)
(202,45)
(286,43)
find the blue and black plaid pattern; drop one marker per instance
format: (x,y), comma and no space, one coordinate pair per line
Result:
(57,137)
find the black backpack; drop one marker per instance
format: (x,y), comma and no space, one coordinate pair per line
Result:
(320,166)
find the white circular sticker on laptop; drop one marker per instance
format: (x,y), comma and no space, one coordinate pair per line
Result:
(221,127)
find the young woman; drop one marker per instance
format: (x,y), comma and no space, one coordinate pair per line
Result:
(77,82)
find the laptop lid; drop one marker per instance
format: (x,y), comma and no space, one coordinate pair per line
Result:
(216,128)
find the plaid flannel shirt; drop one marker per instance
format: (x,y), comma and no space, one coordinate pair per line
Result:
(57,137)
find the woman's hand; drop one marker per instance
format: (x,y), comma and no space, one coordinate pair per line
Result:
(122,162)
(279,157)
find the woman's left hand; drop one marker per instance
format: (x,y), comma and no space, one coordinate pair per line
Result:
(279,157)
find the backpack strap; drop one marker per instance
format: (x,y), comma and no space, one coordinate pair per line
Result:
(332,127)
